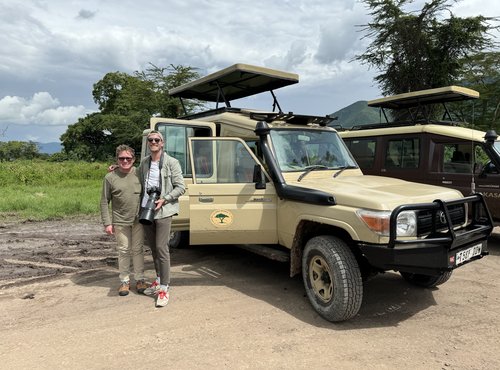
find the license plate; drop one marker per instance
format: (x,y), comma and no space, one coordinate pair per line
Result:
(468,253)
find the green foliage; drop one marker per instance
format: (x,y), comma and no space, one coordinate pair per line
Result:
(95,137)
(163,80)
(35,190)
(126,103)
(417,51)
(12,150)
(41,173)
(482,73)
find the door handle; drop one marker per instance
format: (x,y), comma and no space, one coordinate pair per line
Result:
(205,199)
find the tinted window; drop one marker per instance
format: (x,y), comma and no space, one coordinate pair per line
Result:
(457,158)
(402,153)
(363,151)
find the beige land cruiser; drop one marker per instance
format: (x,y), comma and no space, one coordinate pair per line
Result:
(285,185)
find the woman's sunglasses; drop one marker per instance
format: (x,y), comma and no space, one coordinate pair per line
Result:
(155,139)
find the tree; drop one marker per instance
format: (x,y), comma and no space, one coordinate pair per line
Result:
(126,102)
(416,51)
(164,79)
(482,73)
(95,137)
(12,150)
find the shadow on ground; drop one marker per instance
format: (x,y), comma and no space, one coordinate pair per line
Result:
(388,299)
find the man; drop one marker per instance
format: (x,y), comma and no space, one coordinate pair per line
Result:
(162,172)
(122,188)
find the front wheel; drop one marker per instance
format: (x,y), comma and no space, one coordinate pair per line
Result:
(332,278)
(426,281)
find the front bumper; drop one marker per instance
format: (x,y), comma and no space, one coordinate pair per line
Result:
(424,258)
(447,246)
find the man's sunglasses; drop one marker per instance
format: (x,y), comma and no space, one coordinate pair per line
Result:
(155,139)
(125,158)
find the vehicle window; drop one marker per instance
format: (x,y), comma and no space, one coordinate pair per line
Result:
(458,158)
(222,161)
(176,142)
(363,151)
(403,153)
(482,162)
(296,150)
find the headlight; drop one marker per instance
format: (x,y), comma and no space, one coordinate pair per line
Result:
(407,224)
(378,222)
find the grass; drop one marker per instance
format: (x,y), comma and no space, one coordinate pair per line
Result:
(37,190)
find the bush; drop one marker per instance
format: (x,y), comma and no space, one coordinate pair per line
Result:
(38,190)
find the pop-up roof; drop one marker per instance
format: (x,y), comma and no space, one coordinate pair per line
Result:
(235,82)
(425,97)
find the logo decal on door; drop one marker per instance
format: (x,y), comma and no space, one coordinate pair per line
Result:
(221,218)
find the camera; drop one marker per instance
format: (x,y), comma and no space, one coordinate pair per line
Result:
(147,214)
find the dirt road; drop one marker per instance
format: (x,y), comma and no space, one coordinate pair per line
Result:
(59,309)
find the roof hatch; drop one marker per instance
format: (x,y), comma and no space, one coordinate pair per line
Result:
(424,97)
(235,82)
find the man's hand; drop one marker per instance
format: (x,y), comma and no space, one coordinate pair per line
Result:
(110,230)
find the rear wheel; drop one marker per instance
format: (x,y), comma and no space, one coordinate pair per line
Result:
(426,281)
(178,239)
(332,278)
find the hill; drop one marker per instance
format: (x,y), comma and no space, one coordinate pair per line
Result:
(358,113)
(49,148)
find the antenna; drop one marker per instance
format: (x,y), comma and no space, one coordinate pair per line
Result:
(472,153)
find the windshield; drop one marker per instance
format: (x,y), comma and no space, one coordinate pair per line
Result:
(298,150)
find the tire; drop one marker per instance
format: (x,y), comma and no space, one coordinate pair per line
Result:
(426,281)
(178,240)
(332,278)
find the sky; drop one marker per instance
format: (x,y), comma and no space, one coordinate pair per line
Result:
(52,52)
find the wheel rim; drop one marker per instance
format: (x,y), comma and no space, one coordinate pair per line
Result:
(320,277)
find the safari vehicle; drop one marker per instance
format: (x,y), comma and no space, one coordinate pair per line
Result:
(284,185)
(436,152)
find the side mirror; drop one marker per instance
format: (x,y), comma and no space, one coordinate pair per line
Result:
(489,168)
(258,177)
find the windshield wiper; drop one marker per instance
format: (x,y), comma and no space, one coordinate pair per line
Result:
(342,169)
(310,169)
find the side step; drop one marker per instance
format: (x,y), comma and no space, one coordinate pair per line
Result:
(267,251)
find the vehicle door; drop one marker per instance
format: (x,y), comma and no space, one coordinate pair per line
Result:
(227,203)
(176,133)
(466,166)
(400,157)
(487,178)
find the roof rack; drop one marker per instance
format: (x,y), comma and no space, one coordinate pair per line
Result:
(402,124)
(290,117)
(269,117)
(235,82)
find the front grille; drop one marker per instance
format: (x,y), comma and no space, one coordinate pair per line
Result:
(434,221)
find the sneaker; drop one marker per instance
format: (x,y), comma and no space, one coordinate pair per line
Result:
(124,288)
(153,289)
(162,299)
(141,286)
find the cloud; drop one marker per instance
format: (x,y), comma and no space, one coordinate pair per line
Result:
(85,14)
(40,110)
(54,51)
